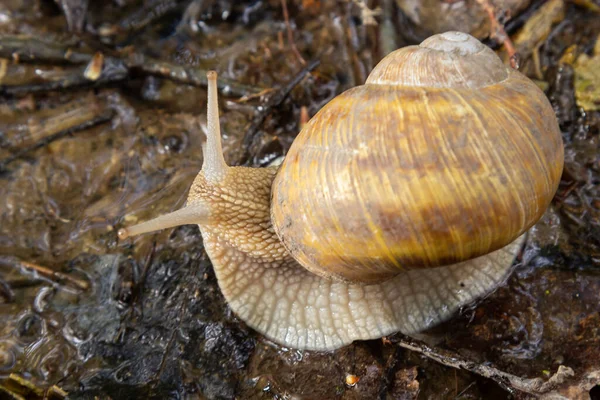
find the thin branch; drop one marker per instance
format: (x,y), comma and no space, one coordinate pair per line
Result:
(388,373)
(186,74)
(138,290)
(31,128)
(275,99)
(6,291)
(38,271)
(290,34)
(32,49)
(497,32)
(16,387)
(139,19)
(42,131)
(112,69)
(514,24)
(509,382)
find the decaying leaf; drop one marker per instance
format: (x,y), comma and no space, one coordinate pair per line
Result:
(587,80)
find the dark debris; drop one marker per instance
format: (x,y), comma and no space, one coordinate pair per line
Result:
(153,323)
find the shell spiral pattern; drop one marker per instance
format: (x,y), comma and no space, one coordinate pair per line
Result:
(444,155)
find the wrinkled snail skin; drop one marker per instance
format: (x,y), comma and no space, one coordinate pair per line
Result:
(440,214)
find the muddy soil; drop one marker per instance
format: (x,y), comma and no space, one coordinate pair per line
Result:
(102,107)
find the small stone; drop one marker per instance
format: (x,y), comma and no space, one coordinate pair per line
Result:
(352,380)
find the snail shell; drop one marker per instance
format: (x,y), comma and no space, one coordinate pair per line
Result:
(443,155)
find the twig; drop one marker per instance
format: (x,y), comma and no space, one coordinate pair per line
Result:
(388,373)
(513,24)
(72,79)
(27,48)
(186,74)
(112,69)
(6,291)
(67,120)
(39,271)
(21,153)
(509,382)
(531,37)
(273,101)
(138,291)
(458,396)
(67,116)
(16,387)
(351,39)
(497,32)
(139,19)
(290,34)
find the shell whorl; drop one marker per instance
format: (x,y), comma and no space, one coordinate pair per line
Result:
(447,60)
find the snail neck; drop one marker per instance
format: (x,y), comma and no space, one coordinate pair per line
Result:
(231,205)
(239,212)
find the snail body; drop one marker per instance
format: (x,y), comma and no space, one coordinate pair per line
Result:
(401,201)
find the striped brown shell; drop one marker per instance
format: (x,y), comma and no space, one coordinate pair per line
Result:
(443,155)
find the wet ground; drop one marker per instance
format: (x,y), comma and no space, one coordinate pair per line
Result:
(90,144)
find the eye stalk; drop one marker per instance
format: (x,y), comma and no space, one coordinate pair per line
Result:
(214,169)
(214,166)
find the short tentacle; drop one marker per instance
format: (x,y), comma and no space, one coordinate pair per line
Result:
(192,214)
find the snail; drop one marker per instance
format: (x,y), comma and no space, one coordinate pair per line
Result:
(399,202)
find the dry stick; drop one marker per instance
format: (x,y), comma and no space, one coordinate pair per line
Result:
(27,48)
(145,15)
(95,119)
(67,119)
(114,69)
(517,22)
(508,382)
(6,291)
(497,32)
(33,128)
(290,34)
(273,101)
(139,286)
(45,272)
(15,387)
(350,38)
(187,75)
(388,373)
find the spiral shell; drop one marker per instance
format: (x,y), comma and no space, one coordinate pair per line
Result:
(443,155)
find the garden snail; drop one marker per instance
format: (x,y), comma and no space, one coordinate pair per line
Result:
(401,201)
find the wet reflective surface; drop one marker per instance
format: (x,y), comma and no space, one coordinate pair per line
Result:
(145,318)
